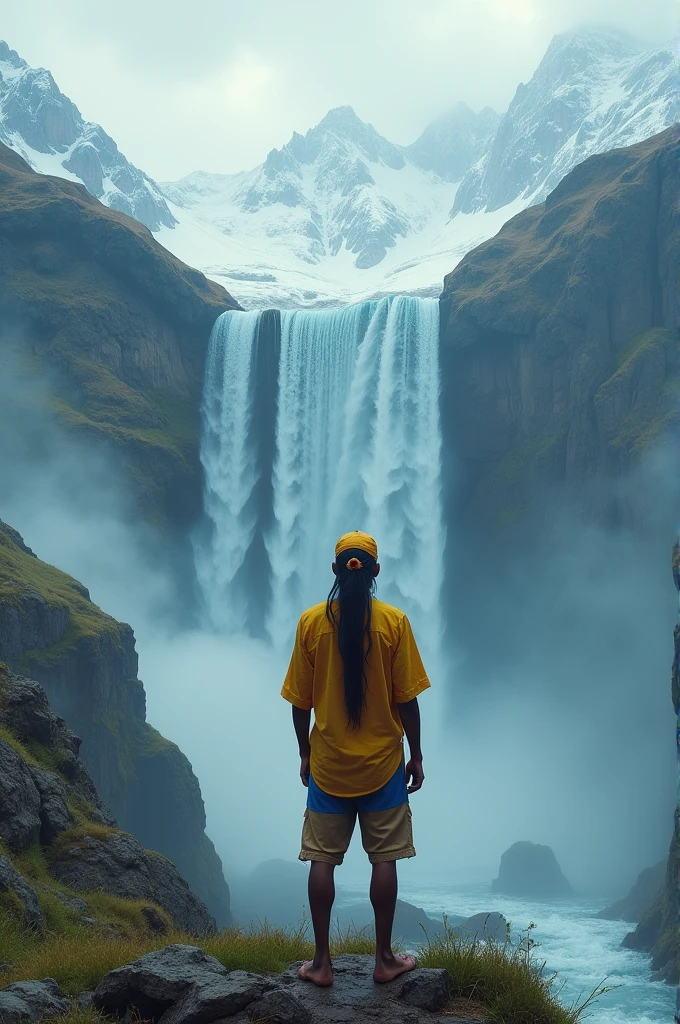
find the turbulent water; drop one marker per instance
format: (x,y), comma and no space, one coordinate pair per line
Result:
(583,950)
(349,440)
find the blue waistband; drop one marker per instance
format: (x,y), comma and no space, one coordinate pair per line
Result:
(392,794)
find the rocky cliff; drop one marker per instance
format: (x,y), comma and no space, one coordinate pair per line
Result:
(58,841)
(114,326)
(657,931)
(51,631)
(558,339)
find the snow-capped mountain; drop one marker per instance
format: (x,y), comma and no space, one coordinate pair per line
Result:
(591,92)
(341,213)
(341,188)
(47,129)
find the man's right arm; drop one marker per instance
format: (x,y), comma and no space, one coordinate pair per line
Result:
(409,712)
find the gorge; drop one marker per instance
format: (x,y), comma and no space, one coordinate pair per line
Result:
(556,390)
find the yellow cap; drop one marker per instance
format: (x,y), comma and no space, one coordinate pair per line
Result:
(357,539)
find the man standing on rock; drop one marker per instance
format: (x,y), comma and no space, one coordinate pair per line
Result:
(356,664)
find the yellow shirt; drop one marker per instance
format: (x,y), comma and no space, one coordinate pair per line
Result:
(344,761)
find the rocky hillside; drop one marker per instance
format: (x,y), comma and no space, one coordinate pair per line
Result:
(112,326)
(52,632)
(559,344)
(59,844)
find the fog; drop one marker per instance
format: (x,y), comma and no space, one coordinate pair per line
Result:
(561,734)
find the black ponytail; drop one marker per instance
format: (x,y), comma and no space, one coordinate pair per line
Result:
(353,589)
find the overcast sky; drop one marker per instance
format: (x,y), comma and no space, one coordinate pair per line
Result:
(217,84)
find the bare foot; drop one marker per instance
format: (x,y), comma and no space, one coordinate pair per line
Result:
(321,976)
(388,970)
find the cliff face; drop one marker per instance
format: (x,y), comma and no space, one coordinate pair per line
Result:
(114,323)
(55,829)
(657,931)
(50,630)
(559,351)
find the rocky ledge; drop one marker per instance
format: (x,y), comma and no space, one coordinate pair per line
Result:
(181,984)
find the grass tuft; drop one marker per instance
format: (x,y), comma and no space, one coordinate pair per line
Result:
(507,978)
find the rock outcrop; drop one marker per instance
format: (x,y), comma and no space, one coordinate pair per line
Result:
(529,869)
(642,894)
(181,984)
(32,1000)
(559,344)
(87,664)
(48,798)
(657,931)
(113,326)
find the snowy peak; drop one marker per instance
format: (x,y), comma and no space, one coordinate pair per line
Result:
(593,91)
(453,142)
(47,129)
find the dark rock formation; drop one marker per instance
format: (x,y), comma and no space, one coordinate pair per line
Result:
(183,985)
(529,869)
(657,931)
(414,926)
(87,663)
(558,341)
(11,882)
(113,324)
(31,1000)
(39,803)
(641,896)
(116,863)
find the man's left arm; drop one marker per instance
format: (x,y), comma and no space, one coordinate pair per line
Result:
(301,723)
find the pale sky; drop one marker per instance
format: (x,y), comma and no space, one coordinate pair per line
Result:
(215,85)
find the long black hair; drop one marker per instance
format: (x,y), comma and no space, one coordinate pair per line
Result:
(353,590)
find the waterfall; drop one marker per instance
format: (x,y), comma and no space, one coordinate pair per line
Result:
(357,445)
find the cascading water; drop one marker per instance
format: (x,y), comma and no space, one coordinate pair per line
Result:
(357,445)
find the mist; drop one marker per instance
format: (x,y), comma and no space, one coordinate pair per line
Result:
(550,720)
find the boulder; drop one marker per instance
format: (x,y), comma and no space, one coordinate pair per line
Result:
(279,1007)
(641,896)
(156,981)
(484,926)
(31,1000)
(117,864)
(531,870)
(428,989)
(216,996)
(12,881)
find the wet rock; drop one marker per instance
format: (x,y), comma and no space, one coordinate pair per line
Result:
(117,864)
(19,801)
(216,996)
(12,881)
(529,869)
(428,989)
(156,981)
(279,1007)
(356,999)
(31,1000)
(645,890)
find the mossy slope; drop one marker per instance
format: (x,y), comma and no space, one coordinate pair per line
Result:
(113,328)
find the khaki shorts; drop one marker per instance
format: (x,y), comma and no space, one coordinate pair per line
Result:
(386,835)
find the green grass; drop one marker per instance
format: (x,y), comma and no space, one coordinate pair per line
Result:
(506,979)
(21,574)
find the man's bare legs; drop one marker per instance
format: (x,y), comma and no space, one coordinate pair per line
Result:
(321,890)
(383,894)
